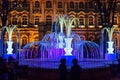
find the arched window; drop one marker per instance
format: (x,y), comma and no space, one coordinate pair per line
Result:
(115,20)
(91,20)
(48,4)
(118,4)
(24,41)
(37,4)
(81,19)
(99,21)
(14,39)
(115,41)
(36,20)
(14,20)
(36,38)
(59,4)
(6,39)
(48,20)
(24,20)
(71,4)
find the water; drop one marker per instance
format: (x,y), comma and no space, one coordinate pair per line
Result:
(48,48)
(52,45)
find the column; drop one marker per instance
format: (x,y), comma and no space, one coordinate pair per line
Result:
(65,7)
(43,11)
(31,11)
(54,10)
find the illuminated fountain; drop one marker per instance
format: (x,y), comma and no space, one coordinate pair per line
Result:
(10,29)
(48,48)
(57,44)
(61,34)
(67,22)
(46,54)
(10,42)
(110,55)
(68,40)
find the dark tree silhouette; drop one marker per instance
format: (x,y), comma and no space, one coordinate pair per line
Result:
(107,10)
(4,15)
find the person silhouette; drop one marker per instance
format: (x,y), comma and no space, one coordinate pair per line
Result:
(3,69)
(12,68)
(62,69)
(75,71)
(118,69)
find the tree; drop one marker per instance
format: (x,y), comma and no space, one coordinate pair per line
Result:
(4,15)
(107,10)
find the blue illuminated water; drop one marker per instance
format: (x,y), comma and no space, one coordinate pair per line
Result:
(48,48)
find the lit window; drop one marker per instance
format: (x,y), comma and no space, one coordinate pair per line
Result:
(24,20)
(37,4)
(14,39)
(36,39)
(5,39)
(81,5)
(99,21)
(91,20)
(24,41)
(118,4)
(48,20)
(71,4)
(59,4)
(81,19)
(116,42)
(36,20)
(48,4)
(115,20)
(14,21)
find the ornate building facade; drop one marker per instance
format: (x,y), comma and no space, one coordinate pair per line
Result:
(34,18)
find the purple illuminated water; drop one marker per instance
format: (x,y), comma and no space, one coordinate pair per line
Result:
(48,48)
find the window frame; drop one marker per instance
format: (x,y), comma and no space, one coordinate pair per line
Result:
(72,4)
(24,20)
(37,4)
(82,20)
(48,4)
(91,20)
(60,5)
(14,20)
(36,20)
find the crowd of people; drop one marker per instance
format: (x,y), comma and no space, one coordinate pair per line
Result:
(8,68)
(75,71)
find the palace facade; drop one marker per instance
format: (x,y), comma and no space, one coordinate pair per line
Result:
(34,19)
